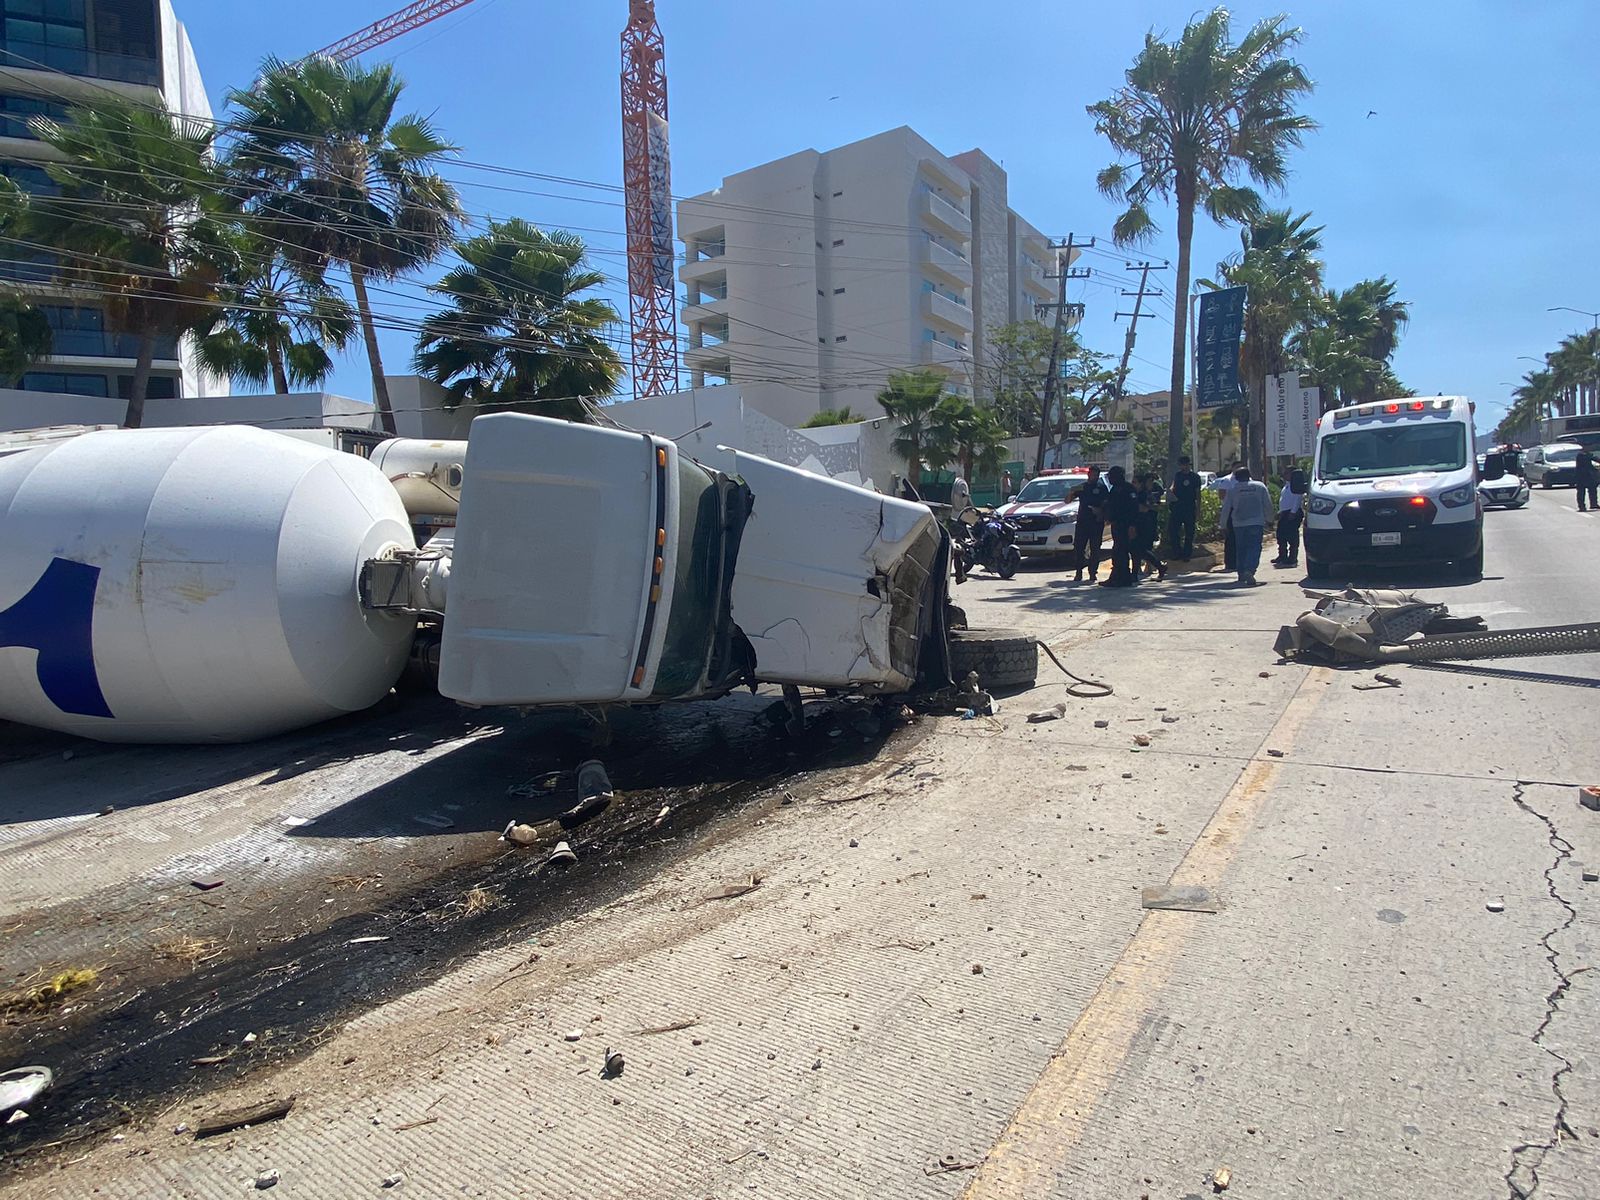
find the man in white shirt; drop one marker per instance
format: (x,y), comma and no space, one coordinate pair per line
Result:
(1291,511)
(1247,504)
(1222,486)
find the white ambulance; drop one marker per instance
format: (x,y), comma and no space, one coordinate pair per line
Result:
(1396,482)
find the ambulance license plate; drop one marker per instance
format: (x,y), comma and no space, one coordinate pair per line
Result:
(1386,539)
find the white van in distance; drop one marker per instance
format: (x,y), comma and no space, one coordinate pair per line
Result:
(1395,481)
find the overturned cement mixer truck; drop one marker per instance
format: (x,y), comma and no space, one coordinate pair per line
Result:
(225,583)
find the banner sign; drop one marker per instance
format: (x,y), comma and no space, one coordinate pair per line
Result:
(663,273)
(1217,348)
(1291,415)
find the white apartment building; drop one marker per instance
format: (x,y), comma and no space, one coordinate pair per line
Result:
(53,54)
(809,279)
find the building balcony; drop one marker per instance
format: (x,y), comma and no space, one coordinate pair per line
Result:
(944,216)
(949,266)
(712,359)
(704,271)
(947,312)
(1036,286)
(707,308)
(946,357)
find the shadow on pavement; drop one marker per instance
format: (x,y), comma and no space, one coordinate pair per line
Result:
(654,755)
(1510,674)
(44,786)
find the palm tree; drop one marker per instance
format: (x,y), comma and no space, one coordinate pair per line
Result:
(25,336)
(967,433)
(1198,116)
(519,329)
(278,324)
(1575,372)
(335,177)
(910,397)
(825,417)
(1386,318)
(141,222)
(1278,266)
(1349,338)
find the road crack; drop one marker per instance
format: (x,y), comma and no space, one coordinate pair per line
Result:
(1522,1179)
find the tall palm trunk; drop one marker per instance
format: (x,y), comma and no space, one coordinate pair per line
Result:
(134,418)
(1180,322)
(369,334)
(280,374)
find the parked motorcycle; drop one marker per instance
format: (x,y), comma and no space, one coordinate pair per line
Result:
(988,541)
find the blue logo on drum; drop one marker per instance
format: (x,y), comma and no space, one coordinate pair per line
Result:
(56,618)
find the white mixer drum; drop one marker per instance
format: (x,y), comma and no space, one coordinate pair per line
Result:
(192,585)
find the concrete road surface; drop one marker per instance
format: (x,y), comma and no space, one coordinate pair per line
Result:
(943,983)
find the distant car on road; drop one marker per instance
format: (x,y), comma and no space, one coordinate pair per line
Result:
(1046,519)
(1552,465)
(1509,491)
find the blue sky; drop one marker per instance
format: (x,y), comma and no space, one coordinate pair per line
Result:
(1474,186)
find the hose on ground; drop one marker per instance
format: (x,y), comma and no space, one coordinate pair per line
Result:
(1081,688)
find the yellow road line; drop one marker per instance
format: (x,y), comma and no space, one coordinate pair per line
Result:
(1027,1159)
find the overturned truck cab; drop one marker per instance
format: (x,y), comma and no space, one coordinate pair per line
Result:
(597,567)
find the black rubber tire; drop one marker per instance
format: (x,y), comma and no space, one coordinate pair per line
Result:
(1471,568)
(1010,560)
(1003,658)
(1318,570)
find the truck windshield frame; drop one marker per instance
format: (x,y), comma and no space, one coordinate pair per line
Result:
(1411,448)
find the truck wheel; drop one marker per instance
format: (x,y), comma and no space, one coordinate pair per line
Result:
(1317,570)
(1471,568)
(1003,658)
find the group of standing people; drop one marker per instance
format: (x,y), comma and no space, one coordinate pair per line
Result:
(1130,510)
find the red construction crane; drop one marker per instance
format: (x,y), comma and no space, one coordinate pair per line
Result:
(647,189)
(412,16)
(646,178)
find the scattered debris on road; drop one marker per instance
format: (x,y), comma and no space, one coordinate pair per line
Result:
(561,856)
(950,1163)
(238,1118)
(207,885)
(671,1027)
(734,890)
(1381,682)
(1591,876)
(1141,739)
(1102,724)
(267,1179)
(1496,906)
(1179,898)
(41,997)
(1047,714)
(392,1181)
(1220,1179)
(613,1064)
(20,1086)
(1589,797)
(520,834)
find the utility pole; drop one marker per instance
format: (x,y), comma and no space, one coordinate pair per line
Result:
(1064,272)
(1144,270)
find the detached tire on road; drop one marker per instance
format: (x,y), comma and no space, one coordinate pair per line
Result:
(1003,658)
